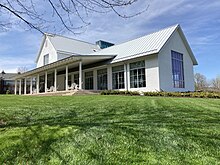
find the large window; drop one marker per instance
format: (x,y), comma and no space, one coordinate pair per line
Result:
(89,80)
(46,59)
(102,79)
(137,74)
(118,77)
(177,70)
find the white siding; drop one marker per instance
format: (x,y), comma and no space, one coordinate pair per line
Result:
(47,49)
(151,72)
(175,43)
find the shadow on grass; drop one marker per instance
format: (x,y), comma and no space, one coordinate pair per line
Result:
(146,127)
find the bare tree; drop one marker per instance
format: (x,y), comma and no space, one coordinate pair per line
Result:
(60,15)
(22,69)
(200,81)
(216,83)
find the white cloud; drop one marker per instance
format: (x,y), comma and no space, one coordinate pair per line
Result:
(10,64)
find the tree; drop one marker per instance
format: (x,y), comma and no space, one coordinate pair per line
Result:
(200,81)
(22,70)
(216,83)
(60,15)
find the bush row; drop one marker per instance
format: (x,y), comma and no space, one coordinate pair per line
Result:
(164,94)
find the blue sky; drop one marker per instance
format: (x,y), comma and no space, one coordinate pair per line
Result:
(199,19)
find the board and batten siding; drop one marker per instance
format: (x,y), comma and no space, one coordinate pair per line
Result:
(47,49)
(175,43)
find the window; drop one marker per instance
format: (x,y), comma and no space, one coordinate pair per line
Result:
(46,59)
(76,79)
(89,80)
(137,74)
(177,70)
(118,77)
(102,79)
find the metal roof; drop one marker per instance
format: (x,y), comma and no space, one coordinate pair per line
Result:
(146,45)
(71,45)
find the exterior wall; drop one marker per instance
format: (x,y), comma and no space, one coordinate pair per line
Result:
(151,73)
(47,49)
(175,43)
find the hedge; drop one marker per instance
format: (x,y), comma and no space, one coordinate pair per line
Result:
(164,94)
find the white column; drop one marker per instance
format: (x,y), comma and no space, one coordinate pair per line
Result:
(31,85)
(126,77)
(80,75)
(45,83)
(109,77)
(16,87)
(67,78)
(25,86)
(55,80)
(37,83)
(95,79)
(20,87)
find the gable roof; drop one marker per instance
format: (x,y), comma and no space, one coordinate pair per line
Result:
(74,46)
(65,44)
(146,45)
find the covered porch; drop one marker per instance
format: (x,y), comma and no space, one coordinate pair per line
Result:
(62,75)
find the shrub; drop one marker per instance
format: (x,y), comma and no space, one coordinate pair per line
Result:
(164,94)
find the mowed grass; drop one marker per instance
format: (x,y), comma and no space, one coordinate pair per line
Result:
(103,130)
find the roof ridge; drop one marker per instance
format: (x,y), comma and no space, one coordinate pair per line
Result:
(53,35)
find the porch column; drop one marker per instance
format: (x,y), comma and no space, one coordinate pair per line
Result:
(37,83)
(15,87)
(25,86)
(95,79)
(31,85)
(20,87)
(80,75)
(45,83)
(126,77)
(67,78)
(109,77)
(55,80)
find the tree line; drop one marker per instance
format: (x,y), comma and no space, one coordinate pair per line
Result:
(202,83)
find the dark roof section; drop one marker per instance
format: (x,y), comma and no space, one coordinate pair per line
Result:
(8,76)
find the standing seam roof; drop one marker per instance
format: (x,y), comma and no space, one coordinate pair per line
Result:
(149,43)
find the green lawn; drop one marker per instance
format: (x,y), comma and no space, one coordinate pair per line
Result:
(109,130)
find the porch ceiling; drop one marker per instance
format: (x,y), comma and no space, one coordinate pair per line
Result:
(72,61)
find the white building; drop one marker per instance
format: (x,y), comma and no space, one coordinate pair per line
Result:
(161,61)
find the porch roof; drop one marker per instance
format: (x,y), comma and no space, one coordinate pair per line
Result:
(86,59)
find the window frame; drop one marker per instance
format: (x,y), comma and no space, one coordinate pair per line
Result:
(118,78)
(46,57)
(137,74)
(89,80)
(177,61)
